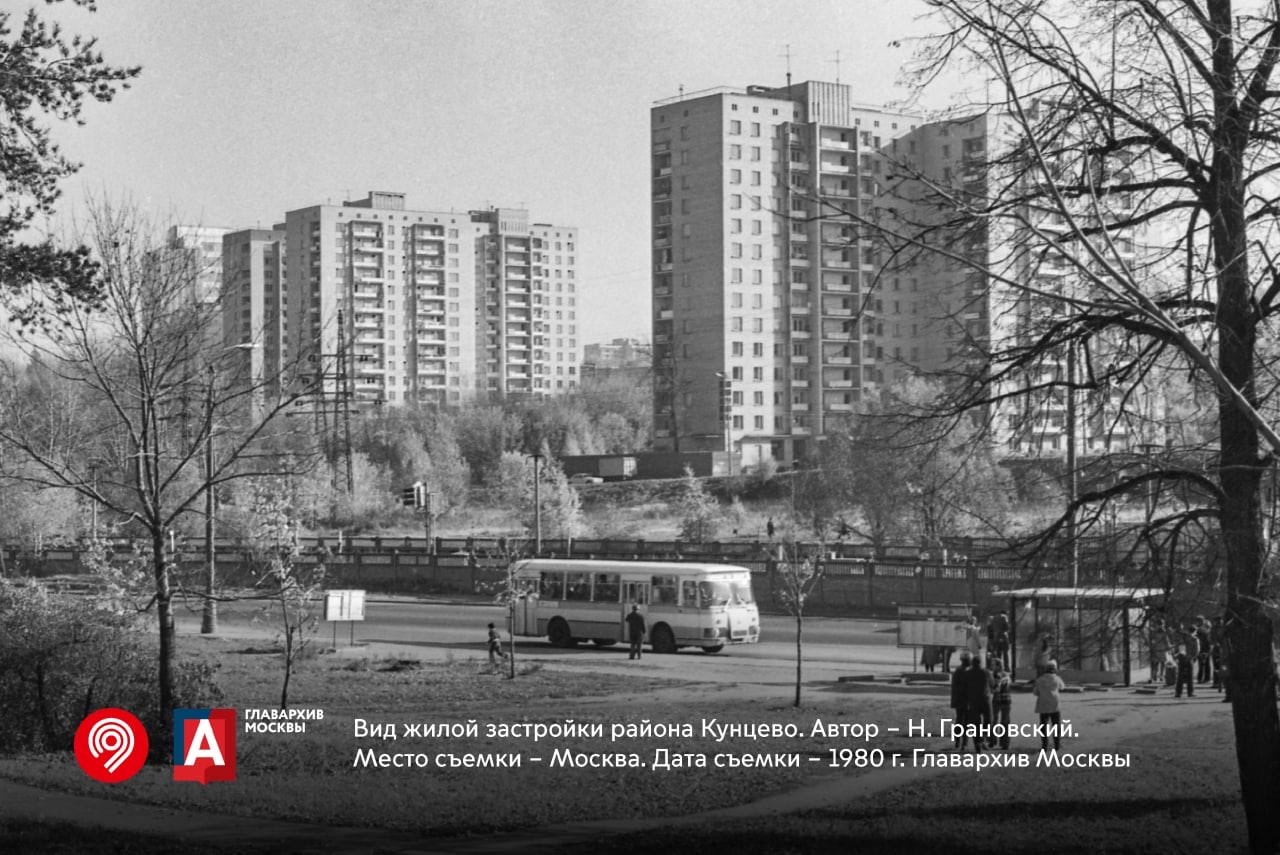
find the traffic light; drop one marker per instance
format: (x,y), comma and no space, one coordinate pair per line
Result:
(415,496)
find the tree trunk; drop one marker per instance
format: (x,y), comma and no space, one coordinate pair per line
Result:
(164,614)
(1251,677)
(799,651)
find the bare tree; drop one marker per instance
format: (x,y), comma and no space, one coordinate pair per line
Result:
(1114,216)
(798,574)
(162,414)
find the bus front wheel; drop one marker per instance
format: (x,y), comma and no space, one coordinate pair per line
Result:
(662,639)
(558,633)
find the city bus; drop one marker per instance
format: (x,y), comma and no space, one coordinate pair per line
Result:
(684,604)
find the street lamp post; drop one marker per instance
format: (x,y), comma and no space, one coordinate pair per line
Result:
(537,507)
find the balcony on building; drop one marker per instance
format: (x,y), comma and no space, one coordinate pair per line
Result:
(839,188)
(831,165)
(829,138)
(837,357)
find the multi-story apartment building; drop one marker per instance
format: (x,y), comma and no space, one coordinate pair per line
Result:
(206,243)
(767,331)
(399,305)
(628,355)
(776,314)
(203,246)
(527,329)
(254,303)
(962,311)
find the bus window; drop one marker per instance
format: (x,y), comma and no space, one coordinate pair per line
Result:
(689,594)
(713,594)
(665,590)
(577,586)
(742,593)
(606,588)
(552,587)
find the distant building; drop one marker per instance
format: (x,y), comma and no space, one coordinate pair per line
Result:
(400,306)
(254,303)
(621,356)
(204,245)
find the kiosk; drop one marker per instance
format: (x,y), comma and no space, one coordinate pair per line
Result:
(1094,633)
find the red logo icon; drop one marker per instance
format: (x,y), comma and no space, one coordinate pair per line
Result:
(111,745)
(204,745)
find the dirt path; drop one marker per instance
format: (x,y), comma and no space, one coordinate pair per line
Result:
(1104,721)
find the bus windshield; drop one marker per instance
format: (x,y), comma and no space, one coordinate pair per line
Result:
(724,593)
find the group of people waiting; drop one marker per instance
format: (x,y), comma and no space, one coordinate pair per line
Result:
(1187,655)
(981,694)
(981,687)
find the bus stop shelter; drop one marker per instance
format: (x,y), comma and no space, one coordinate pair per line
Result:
(1094,632)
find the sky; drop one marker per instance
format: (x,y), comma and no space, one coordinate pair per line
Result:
(246,110)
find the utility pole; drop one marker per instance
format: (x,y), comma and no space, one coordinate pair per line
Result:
(209,615)
(537,507)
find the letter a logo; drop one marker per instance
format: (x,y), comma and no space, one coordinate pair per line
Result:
(204,745)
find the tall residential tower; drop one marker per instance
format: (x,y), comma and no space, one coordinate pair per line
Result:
(766,329)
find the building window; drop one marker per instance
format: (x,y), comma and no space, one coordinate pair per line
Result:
(735,126)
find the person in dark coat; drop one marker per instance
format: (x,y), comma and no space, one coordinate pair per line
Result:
(958,698)
(1001,700)
(998,637)
(1186,662)
(978,684)
(635,631)
(495,646)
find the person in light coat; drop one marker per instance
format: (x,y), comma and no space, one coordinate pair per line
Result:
(1046,689)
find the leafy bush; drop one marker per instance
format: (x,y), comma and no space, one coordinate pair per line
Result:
(63,656)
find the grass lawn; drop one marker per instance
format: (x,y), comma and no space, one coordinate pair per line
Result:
(1180,795)
(310,777)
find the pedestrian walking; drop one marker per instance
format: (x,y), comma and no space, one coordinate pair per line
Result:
(1204,661)
(978,684)
(1157,648)
(1047,687)
(635,631)
(495,646)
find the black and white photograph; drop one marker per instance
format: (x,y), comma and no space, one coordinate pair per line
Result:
(762,427)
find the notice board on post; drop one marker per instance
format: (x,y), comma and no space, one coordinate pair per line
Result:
(344,605)
(932,624)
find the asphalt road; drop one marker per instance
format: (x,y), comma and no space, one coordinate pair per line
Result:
(833,647)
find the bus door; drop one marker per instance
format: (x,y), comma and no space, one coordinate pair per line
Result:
(634,594)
